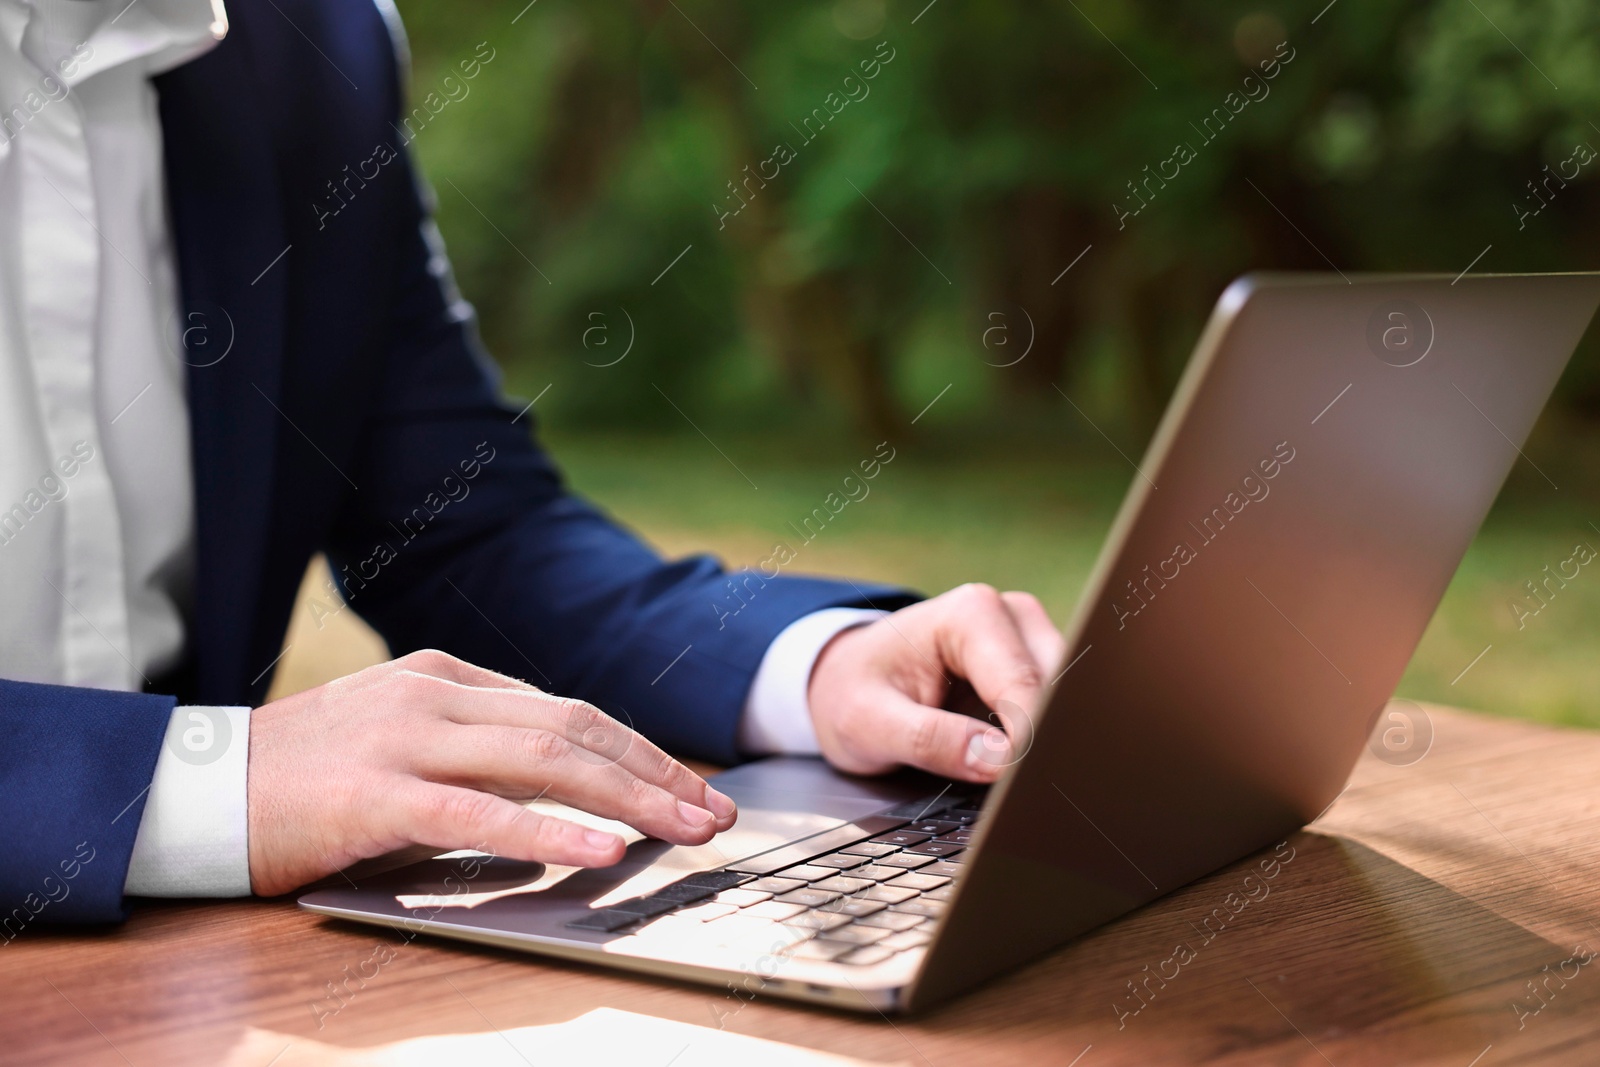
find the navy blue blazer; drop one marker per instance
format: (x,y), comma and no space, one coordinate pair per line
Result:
(355,414)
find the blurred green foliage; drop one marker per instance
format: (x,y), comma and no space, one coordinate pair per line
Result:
(1035,519)
(958,183)
(920,227)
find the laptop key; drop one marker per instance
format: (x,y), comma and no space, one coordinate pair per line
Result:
(855,907)
(894,921)
(707,912)
(920,881)
(907,939)
(775,885)
(843,884)
(944,869)
(964,816)
(838,861)
(902,838)
(743,898)
(606,920)
(870,848)
(908,860)
(889,894)
(776,910)
(940,894)
(826,951)
(867,955)
(856,934)
(877,872)
(818,920)
(809,898)
(646,907)
(936,848)
(682,893)
(931,827)
(930,908)
(808,873)
(717,880)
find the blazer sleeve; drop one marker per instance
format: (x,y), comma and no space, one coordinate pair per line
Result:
(464,538)
(75,766)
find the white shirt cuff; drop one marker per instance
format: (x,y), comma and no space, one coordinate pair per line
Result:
(777,711)
(193,838)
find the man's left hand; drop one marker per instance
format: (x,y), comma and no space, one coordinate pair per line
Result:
(876,691)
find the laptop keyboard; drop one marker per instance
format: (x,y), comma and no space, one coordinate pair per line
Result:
(854,901)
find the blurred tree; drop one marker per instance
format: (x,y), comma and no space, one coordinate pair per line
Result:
(846,240)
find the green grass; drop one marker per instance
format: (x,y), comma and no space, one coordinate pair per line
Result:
(1032,516)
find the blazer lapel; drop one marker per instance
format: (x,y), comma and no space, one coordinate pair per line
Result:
(233,268)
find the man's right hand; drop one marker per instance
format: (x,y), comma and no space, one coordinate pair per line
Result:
(429,750)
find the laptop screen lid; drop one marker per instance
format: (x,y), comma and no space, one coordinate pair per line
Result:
(1331,451)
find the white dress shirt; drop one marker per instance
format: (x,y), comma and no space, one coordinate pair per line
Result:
(96,497)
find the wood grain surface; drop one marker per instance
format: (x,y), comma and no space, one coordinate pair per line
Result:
(1438,913)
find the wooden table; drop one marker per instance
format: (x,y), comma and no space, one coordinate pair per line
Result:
(1406,930)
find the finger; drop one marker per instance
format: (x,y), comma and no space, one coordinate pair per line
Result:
(1039,633)
(891,729)
(979,639)
(448,817)
(512,762)
(436,664)
(600,738)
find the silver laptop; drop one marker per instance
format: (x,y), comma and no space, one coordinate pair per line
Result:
(1329,455)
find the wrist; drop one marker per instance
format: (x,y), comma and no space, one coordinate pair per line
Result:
(777,716)
(832,659)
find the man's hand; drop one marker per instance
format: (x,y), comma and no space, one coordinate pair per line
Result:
(429,750)
(876,690)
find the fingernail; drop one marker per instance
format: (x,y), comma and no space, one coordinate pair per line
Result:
(988,752)
(692,815)
(599,839)
(721,805)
